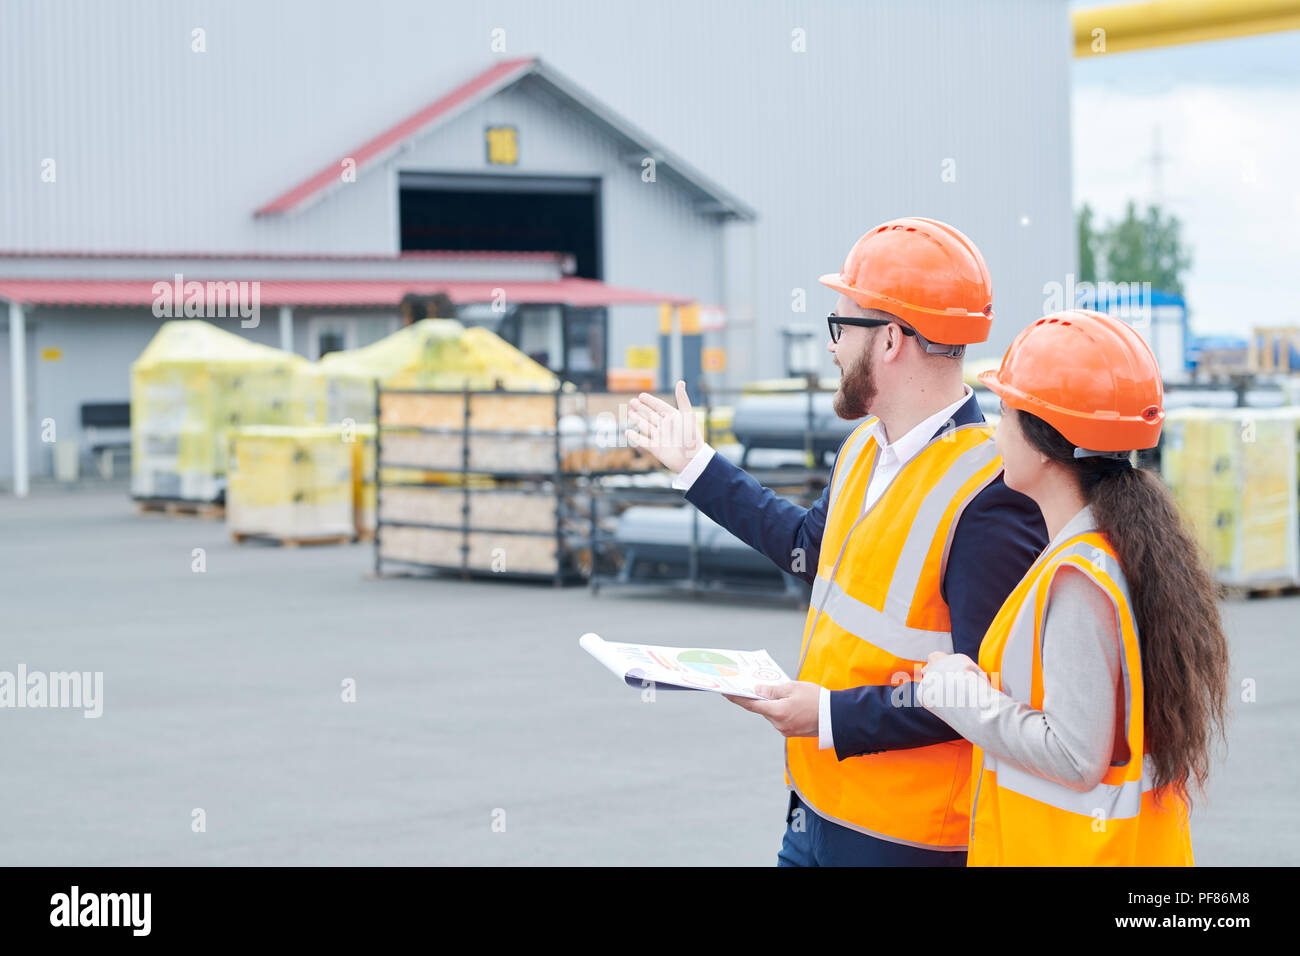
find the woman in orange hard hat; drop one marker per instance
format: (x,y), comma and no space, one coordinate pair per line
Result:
(1101,682)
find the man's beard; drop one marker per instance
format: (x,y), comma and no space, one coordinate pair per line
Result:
(857,389)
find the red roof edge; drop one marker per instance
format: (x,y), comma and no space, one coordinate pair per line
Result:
(312,256)
(329,176)
(328,293)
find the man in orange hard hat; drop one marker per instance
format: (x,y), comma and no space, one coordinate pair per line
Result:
(912,548)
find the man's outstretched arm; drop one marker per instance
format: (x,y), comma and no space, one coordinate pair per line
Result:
(789,535)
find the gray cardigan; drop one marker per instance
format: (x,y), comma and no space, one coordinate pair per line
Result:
(1080,729)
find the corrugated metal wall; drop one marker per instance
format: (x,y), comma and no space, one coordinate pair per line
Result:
(161,148)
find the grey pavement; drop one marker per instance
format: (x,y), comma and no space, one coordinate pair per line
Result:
(474,706)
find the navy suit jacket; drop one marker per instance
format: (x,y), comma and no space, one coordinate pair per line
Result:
(997,538)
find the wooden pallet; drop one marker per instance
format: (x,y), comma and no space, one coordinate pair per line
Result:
(1270,350)
(1245,593)
(240,538)
(176,506)
(489,552)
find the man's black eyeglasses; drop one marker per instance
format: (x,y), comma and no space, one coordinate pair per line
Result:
(836,324)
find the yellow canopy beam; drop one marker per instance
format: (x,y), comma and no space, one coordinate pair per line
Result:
(1123,27)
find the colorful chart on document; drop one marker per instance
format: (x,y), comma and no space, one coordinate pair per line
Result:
(709,662)
(690,668)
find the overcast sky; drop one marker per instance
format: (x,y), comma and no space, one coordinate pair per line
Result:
(1228,116)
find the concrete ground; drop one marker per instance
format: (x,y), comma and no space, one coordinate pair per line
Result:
(474,706)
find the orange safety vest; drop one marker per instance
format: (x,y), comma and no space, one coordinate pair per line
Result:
(1021,819)
(876,614)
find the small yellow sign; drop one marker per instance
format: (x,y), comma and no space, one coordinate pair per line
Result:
(51,353)
(502,145)
(713,359)
(642,356)
(690,318)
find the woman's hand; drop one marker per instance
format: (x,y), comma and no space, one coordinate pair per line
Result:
(944,675)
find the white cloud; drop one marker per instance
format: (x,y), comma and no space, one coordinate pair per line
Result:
(1231,173)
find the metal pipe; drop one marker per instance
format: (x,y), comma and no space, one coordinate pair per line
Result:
(1123,27)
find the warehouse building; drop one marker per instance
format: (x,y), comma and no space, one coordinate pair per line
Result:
(656,193)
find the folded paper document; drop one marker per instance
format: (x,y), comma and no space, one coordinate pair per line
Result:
(686,668)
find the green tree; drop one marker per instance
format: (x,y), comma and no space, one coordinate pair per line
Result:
(1088,239)
(1145,247)
(1168,258)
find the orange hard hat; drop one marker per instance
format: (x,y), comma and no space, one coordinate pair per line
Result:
(924,272)
(1088,375)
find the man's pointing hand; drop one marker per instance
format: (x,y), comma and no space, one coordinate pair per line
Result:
(670,434)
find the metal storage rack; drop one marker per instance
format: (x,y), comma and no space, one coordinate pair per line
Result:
(615,564)
(558,483)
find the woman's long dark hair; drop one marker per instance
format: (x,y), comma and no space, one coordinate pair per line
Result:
(1184,651)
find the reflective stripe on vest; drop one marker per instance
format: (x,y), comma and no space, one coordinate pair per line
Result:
(1019,818)
(875,615)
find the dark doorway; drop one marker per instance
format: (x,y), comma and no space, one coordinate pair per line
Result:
(503,214)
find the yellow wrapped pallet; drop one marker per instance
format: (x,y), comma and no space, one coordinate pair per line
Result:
(191,385)
(363,480)
(1233,474)
(292,482)
(718,424)
(429,354)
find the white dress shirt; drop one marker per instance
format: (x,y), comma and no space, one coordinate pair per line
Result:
(889,461)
